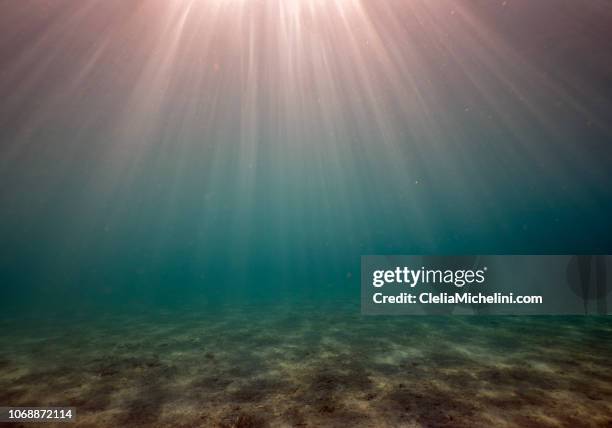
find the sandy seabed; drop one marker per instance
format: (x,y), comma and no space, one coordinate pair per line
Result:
(312,368)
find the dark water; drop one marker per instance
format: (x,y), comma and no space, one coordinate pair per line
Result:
(186,190)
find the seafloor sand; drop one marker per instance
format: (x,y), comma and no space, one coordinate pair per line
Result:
(313,368)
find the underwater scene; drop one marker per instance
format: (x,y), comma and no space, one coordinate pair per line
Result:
(187,189)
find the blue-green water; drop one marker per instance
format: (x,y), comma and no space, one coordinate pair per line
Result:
(178,171)
(120,185)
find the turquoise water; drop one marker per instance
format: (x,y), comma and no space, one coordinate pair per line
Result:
(130,177)
(186,190)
